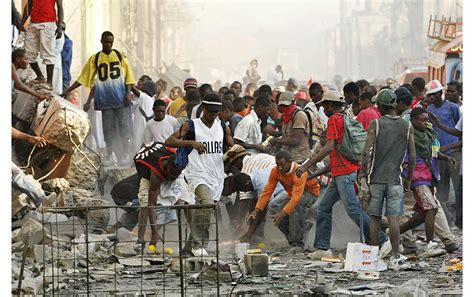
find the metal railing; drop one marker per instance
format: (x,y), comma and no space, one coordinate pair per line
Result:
(79,258)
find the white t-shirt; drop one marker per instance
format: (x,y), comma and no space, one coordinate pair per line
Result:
(207,168)
(160,131)
(194,111)
(252,163)
(273,77)
(248,130)
(145,103)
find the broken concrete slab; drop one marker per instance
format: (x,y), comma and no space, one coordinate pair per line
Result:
(42,253)
(57,185)
(191,264)
(124,235)
(133,262)
(53,273)
(126,249)
(32,231)
(29,286)
(83,172)
(21,205)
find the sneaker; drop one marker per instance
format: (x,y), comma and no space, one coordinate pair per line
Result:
(452,247)
(318,254)
(399,263)
(199,252)
(432,250)
(385,249)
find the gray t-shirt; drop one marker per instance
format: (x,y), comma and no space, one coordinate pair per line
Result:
(389,150)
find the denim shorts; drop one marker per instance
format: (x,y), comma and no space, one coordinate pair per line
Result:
(117,117)
(165,215)
(391,194)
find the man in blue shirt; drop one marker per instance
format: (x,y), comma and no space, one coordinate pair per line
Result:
(448,114)
(66,57)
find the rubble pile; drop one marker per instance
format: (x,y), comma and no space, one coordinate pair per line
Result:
(81,172)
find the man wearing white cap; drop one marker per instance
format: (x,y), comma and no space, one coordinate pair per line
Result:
(448,114)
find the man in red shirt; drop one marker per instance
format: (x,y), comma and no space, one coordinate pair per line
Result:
(45,27)
(344,175)
(368,112)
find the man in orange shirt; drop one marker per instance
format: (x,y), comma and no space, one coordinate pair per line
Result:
(288,210)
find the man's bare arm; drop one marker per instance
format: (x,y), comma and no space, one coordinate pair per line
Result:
(369,143)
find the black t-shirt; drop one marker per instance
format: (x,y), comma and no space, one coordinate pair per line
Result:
(125,190)
(151,158)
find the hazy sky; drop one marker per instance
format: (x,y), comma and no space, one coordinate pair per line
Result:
(228,34)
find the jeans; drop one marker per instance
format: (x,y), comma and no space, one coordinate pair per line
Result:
(458,193)
(340,188)
(117,117)
(293,225)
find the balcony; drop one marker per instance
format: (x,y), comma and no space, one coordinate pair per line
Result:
(442,29)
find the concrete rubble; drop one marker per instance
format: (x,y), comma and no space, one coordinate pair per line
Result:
(63,124)
(115,261)
(83,169)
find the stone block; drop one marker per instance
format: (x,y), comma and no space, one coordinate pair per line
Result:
(33,231)
(126,249)
(256,264)
(124,235)
(21,205)
(191,264)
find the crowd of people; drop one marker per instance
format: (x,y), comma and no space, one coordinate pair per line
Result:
(389,151)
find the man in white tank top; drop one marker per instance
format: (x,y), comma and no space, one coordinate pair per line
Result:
(205,170)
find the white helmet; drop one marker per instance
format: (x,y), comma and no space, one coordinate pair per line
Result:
(434,86)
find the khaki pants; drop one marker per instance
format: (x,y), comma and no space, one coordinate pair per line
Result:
(200,219)
(441,228)
(41,38)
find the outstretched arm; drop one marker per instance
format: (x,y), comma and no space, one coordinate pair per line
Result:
(175,140)
(19,85)
(453,131)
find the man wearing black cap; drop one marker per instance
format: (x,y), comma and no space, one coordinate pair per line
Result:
(404,100)
(205,169)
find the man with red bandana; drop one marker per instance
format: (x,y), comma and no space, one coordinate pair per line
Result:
(295,129)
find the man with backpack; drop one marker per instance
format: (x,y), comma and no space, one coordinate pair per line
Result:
(390,137)
(112,77)
(295,130)
(345,140)
(201,143)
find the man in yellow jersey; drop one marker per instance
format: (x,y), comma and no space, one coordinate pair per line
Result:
(111,75)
